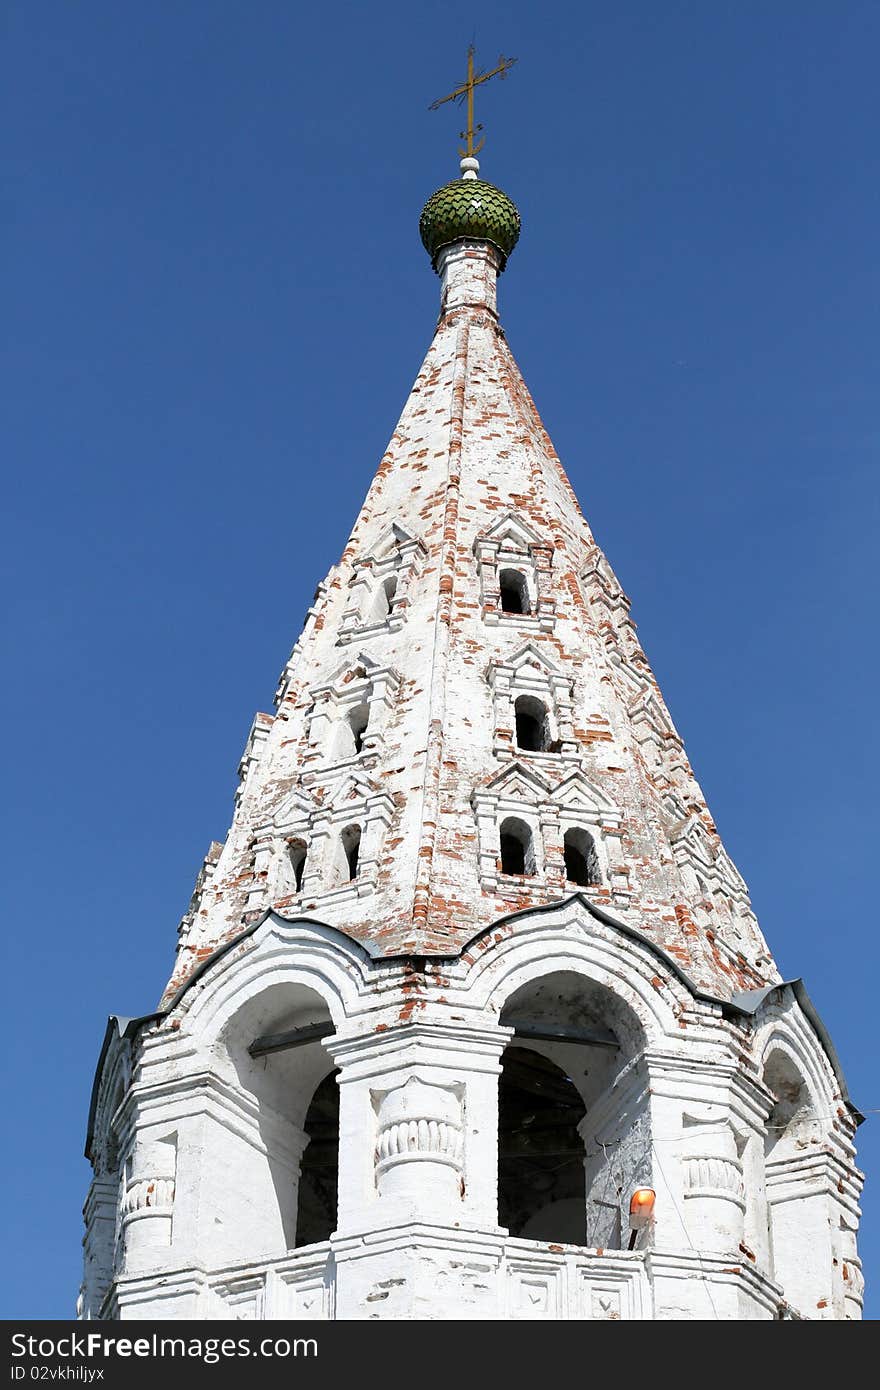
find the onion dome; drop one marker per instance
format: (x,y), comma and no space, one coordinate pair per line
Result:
(469,208)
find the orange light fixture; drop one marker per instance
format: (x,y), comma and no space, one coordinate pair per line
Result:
(641,1207)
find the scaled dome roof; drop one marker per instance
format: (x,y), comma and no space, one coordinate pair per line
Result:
(469,208)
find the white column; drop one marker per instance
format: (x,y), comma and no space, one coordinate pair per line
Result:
(420,1146)
(418,1126)
(148,1204)
(468,273)
(714,1195)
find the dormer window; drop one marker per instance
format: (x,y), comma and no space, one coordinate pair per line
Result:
(348,715)
(557,832)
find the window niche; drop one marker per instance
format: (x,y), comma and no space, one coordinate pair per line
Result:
(532,725)
(348,854)
(514,592)
(559,832)
(297,851)
(532,707)
(381,586)
(347,833)
(383,602)
(347,719)
(514,566)
(517,847)
(581,859)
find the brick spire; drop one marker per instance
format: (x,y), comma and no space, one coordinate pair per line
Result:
(467,725)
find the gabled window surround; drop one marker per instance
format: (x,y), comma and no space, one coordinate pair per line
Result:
(515,569)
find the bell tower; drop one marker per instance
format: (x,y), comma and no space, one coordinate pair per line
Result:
(470,1015)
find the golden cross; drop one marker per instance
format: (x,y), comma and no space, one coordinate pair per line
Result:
(467,90)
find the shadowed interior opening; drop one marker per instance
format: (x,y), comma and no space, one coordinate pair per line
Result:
(319,1172)
(351,847)
(514,592)
(296,851)
(358,719)
(532,731)
(517,847)
(541,1182)
(581,861)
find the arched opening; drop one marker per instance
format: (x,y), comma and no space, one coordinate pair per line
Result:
(792,1134)
(296,855)
(350,730)
(581,860)
(319,1169)
(351,849)
(358,719)
(517,848)
(790,1123)
(541,1191)
(385,594)
(283,1149)
(564,1175)
(514,592)
(532,725)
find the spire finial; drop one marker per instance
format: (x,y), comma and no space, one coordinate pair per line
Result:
(467,90)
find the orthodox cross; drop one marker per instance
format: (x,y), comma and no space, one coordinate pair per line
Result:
(467,90)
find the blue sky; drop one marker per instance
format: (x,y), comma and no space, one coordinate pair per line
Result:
(215,302)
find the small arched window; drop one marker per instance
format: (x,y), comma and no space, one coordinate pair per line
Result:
(581,860)
(358,719)
(384,598)
(514,592)
(296,854)
(517,848)
(532,725)
(349,733)
(351,848)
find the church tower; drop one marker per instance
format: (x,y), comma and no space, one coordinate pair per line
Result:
(470,1015)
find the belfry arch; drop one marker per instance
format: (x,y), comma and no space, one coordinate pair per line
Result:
(794,1133)
(574,1123)
(273,1049)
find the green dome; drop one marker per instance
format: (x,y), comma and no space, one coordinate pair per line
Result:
(469,208)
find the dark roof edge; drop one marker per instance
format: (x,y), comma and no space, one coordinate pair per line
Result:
(129,1027)
(744,1005)
(750,1002)
(117,1027)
